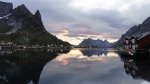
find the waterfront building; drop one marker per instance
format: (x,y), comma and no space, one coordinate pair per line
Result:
(141,41)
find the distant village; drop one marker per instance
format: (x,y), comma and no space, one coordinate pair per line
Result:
(134,42)
(11,45)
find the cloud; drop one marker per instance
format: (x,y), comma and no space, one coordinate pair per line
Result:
(126,23)
(72,35)
(99,18)
(83,70)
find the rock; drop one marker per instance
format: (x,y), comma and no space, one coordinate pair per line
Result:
(18,18)
(21,11)
(135,30)
(37,21)
(22,27)
(5,8)
(98,43)
(147,21)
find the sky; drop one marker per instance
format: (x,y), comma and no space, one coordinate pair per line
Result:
(75,20)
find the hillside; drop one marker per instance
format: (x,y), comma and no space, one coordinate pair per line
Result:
(20,26)
(98,43)
(135,30)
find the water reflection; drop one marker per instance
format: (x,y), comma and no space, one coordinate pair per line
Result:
(138,67)
(68,67)
(77,68)
(86,55)
(91,52)
(22,67)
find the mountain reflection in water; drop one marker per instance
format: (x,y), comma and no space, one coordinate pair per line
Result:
(85,55)
(91,52)
(21,67)
(76,66)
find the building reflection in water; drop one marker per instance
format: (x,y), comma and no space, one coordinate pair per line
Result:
(138,67)
(22,67)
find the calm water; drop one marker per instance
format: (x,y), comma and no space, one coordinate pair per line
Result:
(77,66)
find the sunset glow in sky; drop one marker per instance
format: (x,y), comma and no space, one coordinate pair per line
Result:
(75,20)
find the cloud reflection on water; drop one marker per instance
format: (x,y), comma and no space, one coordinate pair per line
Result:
(82,56)
(81,69)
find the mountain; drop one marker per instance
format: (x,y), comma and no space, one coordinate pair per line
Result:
(5,8)
(20,26)
(99,43)
(135,30)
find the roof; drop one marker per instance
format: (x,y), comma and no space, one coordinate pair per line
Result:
(143,35)
(139,36)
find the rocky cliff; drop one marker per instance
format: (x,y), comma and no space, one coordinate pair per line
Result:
(135,30)
(17,19)
(99,43)
(5,8)
(23,27)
